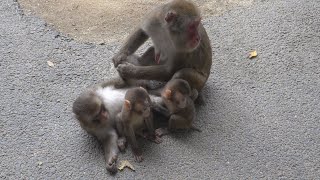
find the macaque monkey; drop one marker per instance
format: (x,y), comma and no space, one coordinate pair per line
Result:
(177,97)
(96,110)
(181,47)
(135,117)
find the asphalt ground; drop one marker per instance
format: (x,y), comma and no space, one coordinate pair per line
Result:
(260,118)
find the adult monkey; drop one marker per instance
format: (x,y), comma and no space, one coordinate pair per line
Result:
(181,47)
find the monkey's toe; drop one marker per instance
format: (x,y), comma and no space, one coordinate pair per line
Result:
(138,158)
(158,140)
(161,132)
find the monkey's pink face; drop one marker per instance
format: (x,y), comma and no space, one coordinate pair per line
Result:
(185,35)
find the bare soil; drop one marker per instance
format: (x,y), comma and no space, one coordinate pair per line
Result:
(108,21)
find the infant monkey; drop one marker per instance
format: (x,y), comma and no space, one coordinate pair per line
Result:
(178,97)
(136,117)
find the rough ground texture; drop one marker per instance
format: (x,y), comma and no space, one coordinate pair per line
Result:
(260,118)
(107,21)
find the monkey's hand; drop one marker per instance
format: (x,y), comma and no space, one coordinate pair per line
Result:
(119,59)
(126,70)
(112,164)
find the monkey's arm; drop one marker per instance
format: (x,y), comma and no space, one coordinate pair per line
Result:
(121,140)
(150,135)
(157,72)
(110,149)
(131,137)
(117,82)
(134,41)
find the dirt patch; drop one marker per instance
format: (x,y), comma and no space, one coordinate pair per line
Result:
(108,21)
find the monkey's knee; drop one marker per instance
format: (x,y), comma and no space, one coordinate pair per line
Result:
(148,58)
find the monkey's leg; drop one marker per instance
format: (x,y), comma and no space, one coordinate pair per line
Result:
(133,42)
(195,79)
(175,122)
(157,72)
(110,149)
(178,122)
(131,137)
(117,82)
(148,58)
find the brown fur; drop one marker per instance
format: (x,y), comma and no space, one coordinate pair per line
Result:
(170,39)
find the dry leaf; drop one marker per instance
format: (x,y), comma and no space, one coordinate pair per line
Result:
(124,164)
(253,54)
(50,63)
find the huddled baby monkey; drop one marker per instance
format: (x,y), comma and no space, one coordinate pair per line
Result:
(179,99)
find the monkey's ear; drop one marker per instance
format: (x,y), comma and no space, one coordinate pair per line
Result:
(171,15)
(127,104)
(168,94)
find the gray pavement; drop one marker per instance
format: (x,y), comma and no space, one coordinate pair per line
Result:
(260,119)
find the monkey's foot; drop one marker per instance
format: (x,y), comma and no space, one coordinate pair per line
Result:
(138,158)
(122,144)
(161,132)
(137,155)
(112,165)
(126,70)
(155,139)
(152,137)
